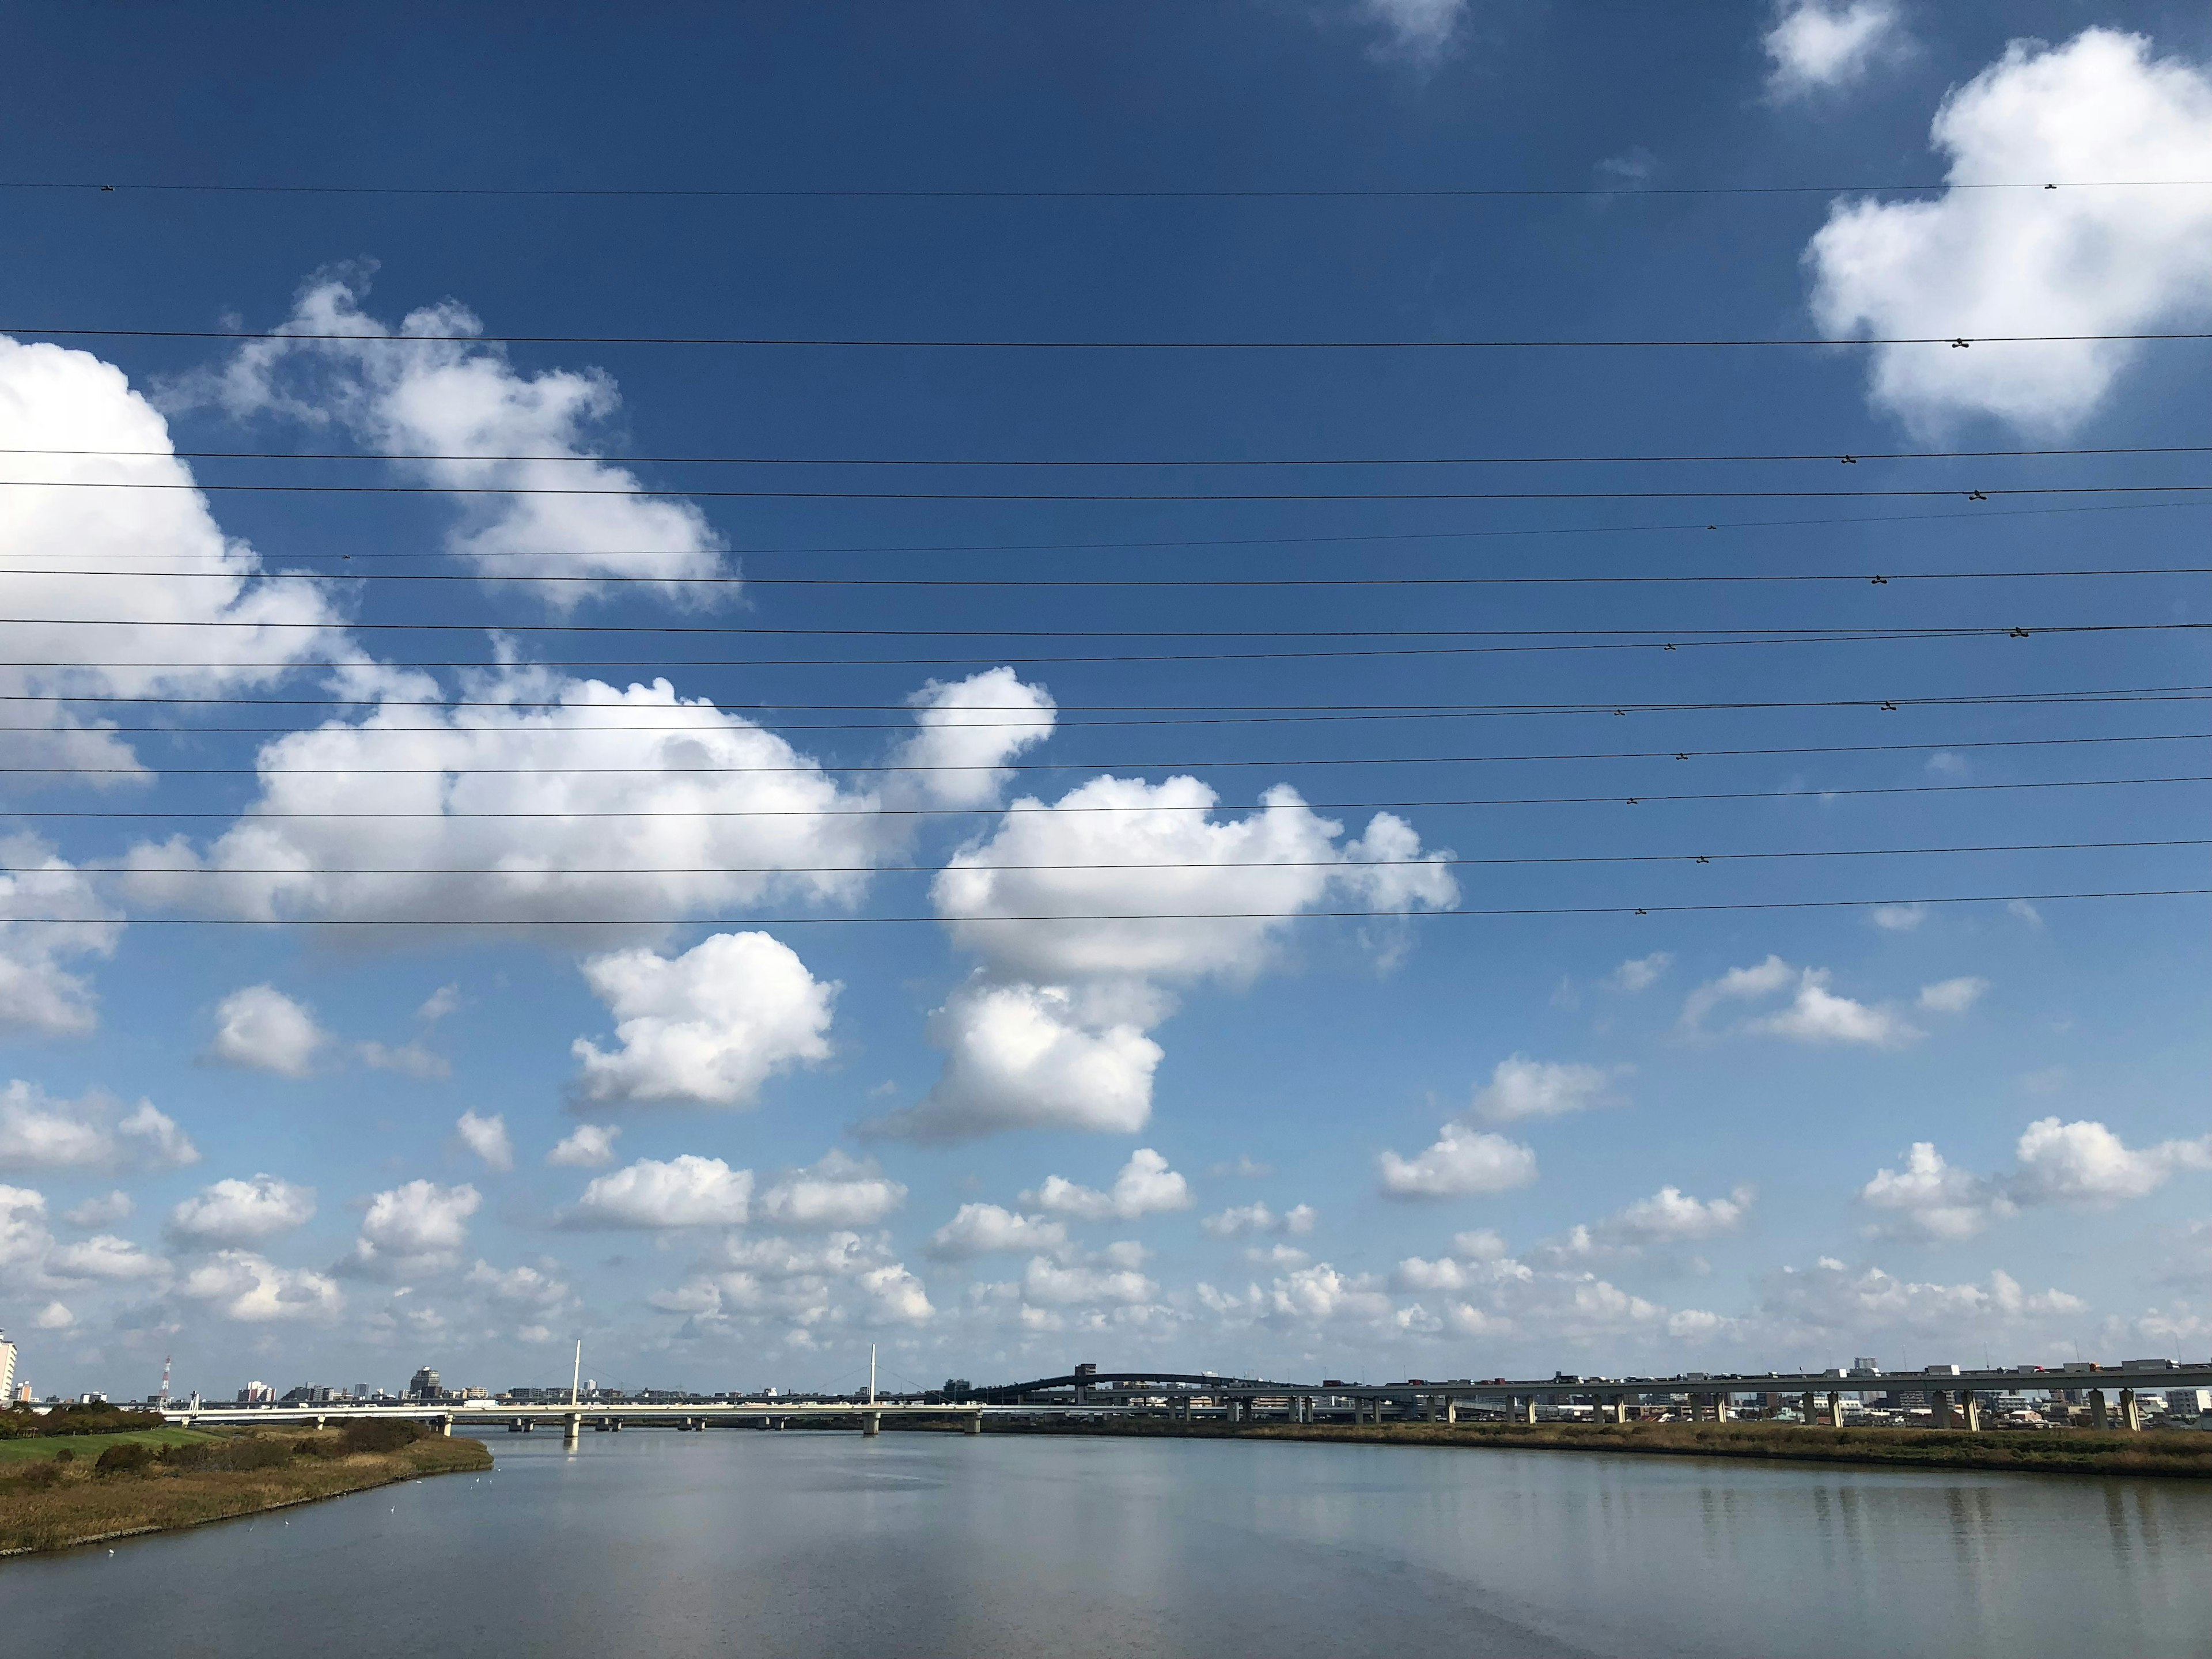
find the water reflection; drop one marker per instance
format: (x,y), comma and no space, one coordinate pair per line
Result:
(826,1545)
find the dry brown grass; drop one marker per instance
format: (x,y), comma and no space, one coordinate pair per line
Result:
(2174,1452)
(46,1505)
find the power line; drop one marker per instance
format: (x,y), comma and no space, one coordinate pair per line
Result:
(504,922)
(1955,341)
(877,193)
(1228,713)
(1992,492)
(1843,457)
(816,769)
(1021,810)
(1230,864)
(1876,578)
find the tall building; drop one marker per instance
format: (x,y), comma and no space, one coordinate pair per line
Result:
(7,1367)
(425,1384)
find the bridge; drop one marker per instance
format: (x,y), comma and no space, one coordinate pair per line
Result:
(1191,1396)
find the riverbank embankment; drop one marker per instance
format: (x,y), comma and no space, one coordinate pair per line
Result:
(91,1489)
(2057,1451)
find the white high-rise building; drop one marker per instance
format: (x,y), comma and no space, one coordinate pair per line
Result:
(7,1368)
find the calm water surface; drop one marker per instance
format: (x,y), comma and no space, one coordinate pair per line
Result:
(827,1545)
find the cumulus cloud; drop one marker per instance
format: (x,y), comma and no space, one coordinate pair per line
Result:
(419,1227)
(966,730)
(1830,1301)
(54,1316)
(687,1191)
(262,1030)
(242,1212)
(1670,1216)
(710,1026)
(243,1286)
(39,894)
(1818,45)
(1249,1219)
(525,1286)
(838,1192)
(1815,1013)
(584,798)
(1523,1088)
(1463,1164)
(1046,1283)
(52,398)
(1974,263)
(590,1146)
(92,1133)
(988,1229)
(1026,1056)
(102,1211)
(463,401)
(1146,1186)
(1051,1032)
(105,1256)
(2083,1163)
(842,1278)
(487,1138)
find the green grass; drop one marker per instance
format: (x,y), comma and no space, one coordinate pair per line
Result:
(89,1446)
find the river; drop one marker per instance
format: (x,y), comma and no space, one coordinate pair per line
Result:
(821,1546)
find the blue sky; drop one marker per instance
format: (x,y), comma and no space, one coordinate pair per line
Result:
(290,1104)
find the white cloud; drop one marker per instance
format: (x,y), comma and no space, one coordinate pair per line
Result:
(1818,45)
(1461,1164)
(54,1316)
(103,1212)
(841,1278)
(1818,1015)
(967,730)
(1051,1032)
(895,1297)
(487,1138)
(92,1133)
(1933,1199)
(1261,870)
(1830,1301)
(242,1212)
(687,1191)
(2081,1164)
(261,1028)
(525,1285)
(987,1230)
(244,1287)
(1975,262)
(1240,1220)
(838,1191)
(1419,30)
(105,1257)
(418,1227)
(1815,1014)
(56,399)
(2085,1163)
(1952,996)
(1047,1284)
(1026,1056)
(1898,918)
(37,992)
(1146,1186)
(1670,1216)
(586,798)
(1640,973)
(1523,1088)
(710,1026)
(589,1146)
(459,398)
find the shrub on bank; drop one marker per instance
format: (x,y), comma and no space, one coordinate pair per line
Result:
(382,1434)
(123,1457)
(21,1423)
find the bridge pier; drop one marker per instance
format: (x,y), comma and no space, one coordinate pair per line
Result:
(1941,1399)
(1451,1410)
(572,1430)
(1720,1408)
(1970,1411)
(2130,1414)
(1528,1411)
(975,1424)
(444,1424)
(871,1423)
(1835,1409)
(2098,1419)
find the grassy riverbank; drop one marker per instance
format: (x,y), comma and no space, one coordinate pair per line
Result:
(85,1489)
(2177,1452)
